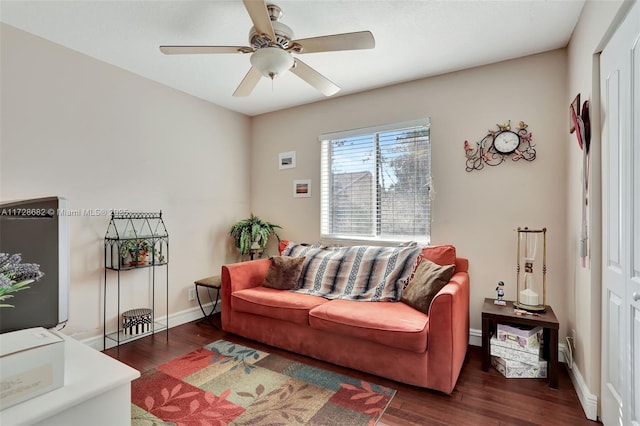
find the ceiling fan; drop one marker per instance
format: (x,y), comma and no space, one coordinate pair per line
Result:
(271,47)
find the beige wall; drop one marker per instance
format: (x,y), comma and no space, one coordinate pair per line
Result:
(478,212)
(105,138)
(77,127)
(584,283)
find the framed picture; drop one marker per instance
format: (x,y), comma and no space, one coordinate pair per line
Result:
(575,106)
(302,188)
(287,160)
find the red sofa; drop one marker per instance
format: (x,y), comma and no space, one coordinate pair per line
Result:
(388,339)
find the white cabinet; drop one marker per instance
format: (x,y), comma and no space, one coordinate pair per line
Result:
(96,391)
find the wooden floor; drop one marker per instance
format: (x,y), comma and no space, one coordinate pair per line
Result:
(479,399)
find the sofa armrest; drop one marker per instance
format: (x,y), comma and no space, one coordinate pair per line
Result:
(448,337)
(238,276)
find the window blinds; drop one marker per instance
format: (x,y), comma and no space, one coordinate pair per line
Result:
(375,183)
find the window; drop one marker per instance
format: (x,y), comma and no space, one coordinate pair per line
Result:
(375,183)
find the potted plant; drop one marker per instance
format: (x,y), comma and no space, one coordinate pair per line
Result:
(137,249)
(253,231)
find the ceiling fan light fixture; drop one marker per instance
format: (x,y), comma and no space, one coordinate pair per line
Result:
(272,61)
(271,45)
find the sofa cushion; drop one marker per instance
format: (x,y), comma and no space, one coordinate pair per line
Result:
(442,255)
(388,323)
(278,304)
(284,272)
(426,282)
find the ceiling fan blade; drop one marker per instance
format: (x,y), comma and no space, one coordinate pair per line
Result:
(314,78)
(259,15)
(332,43)
(248,83)
(189,50)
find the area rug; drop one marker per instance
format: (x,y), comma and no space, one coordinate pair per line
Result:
(225,383)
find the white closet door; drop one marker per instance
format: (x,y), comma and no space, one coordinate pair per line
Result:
(620,97)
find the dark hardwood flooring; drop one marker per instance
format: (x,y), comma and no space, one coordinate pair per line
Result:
(479,399)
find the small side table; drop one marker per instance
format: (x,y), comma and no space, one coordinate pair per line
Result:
(493,314)
(210,283)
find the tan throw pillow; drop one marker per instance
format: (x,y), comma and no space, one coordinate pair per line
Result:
(284,272)
(427,281)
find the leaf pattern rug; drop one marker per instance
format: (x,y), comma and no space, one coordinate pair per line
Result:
(229,384)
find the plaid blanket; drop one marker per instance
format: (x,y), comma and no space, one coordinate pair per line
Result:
(363,273)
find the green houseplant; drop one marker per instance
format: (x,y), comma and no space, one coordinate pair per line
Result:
(137,249)
(252,230)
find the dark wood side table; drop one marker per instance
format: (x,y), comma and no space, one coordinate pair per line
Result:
(210,283)
(493,314)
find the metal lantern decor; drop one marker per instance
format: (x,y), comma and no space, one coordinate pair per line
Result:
(532,279)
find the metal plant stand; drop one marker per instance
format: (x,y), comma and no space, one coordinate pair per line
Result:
(134,241)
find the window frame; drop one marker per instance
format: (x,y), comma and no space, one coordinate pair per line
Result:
(325,172)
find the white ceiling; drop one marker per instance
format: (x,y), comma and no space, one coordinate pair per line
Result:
(414,39)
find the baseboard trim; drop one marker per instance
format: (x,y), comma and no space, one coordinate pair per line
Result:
(475,337)
(588,400)
(178,318)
